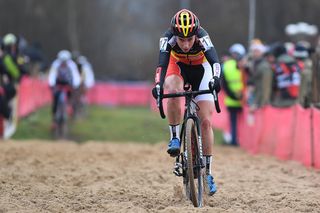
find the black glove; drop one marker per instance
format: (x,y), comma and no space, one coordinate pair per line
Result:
(214,84)
(155,92)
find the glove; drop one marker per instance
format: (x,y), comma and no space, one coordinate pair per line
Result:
(155,92)
(157,81)
(214,84)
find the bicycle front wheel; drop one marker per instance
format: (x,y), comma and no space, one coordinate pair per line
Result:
(194,170)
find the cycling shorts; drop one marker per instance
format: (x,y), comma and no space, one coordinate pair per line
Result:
(197,75)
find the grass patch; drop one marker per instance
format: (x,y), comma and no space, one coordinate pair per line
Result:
(122,124)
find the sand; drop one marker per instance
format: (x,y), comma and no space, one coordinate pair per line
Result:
(39,176)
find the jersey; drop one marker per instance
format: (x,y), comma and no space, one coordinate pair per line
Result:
(288,78)
(64,74)
(64,71)
(201,51)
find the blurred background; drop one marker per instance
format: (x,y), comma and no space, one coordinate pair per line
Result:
(120,38)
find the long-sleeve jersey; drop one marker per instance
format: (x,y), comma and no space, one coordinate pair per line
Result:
(202,48)
(53,73)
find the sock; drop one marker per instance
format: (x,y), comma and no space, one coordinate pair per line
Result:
(208,163)
(174,131)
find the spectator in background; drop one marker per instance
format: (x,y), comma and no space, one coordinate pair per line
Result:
(38,61)
(286,78)
(9,73)
(316,75)
(232,79)
(301,55)
(260,81)
(63,72)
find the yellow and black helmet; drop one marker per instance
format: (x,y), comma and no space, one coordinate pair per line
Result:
(185,23)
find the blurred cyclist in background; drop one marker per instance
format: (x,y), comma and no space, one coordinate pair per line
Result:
(187,55)
(87,82)
(63,72)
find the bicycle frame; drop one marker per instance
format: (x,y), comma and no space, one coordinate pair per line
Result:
(61,114)
(183,162)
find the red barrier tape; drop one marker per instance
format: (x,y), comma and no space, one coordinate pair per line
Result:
(316,137)
(283,125)
(33,94)
(221,120)
(267,139)
(249,127)
(117,94)
(301,147)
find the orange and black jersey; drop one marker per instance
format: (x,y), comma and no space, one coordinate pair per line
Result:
(202,50)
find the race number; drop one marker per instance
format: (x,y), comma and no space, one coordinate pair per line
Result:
(206,42)
(216,69)
(163,44)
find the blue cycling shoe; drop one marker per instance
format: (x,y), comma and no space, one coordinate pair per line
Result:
(174,147)
(211,185)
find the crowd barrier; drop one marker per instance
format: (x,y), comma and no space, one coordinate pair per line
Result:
(33,93)
(120,94)
(288,133)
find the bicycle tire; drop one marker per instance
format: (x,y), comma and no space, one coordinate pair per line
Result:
(194,171)
(61,118)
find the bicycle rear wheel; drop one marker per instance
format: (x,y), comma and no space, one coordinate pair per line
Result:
(61,117)
(194,170)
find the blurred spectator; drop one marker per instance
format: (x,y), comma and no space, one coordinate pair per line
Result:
(233,85)
(286,78)
(301,55)
(316,75)
(260,81)
(9,74)
(38,61)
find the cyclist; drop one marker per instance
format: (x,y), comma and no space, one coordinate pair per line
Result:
(87,81)
(187,55)
(63,72)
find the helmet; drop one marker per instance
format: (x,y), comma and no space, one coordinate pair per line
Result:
(82,59)
(237,49)
(185,23)
(64,55)
(9,39)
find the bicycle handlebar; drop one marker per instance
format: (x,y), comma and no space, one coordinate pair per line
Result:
(183,94)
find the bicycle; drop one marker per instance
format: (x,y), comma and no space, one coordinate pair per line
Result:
(61,114)
(189,164)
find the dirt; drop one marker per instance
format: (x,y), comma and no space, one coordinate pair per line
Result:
(38,176)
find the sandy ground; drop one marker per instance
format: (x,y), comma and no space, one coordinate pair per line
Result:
(108,177)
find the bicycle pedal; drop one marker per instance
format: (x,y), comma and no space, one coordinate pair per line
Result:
(177,173)
(177,168)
